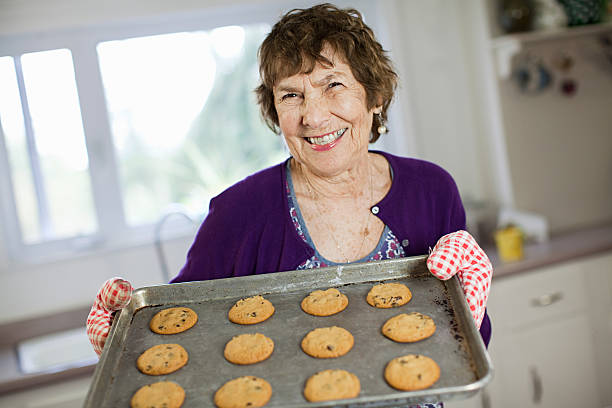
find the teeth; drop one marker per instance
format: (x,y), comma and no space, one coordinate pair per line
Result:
(327,138)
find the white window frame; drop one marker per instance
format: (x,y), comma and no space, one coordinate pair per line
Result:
(113,232)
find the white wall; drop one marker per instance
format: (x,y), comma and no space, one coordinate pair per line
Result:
(560,147)
(436,80)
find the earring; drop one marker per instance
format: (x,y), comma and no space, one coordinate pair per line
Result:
(382,129)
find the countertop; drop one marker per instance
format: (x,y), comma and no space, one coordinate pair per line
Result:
(560,248)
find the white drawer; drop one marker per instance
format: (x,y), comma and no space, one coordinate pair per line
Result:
(537,296)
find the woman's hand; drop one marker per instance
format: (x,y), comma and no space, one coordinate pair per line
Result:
(458,253)
(114,295)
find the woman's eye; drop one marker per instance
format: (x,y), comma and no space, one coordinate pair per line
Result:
(334,84)
(288,96)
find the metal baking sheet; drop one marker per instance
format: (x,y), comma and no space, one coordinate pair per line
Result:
(456,345)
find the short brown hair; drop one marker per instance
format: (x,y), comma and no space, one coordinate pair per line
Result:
(294,45)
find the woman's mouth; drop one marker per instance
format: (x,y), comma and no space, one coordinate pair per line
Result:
(327,141)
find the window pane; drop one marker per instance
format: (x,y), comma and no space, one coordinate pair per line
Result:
(184,118)
(11,118)
(60,143)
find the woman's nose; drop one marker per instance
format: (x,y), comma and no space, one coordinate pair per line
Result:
(315,113)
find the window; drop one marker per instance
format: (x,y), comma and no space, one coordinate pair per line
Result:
(47,153)
(181,121)
(184,119)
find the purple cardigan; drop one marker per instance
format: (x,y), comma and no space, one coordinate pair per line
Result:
(248,229)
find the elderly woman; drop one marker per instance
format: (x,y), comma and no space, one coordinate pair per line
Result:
(326,85)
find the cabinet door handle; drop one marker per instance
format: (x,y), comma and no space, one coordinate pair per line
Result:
(485,399)
(536,380)
(547,300)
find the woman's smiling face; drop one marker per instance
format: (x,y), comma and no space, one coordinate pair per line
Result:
(324,117)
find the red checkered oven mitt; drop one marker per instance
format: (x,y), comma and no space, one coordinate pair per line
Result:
(458,253)
(114,295)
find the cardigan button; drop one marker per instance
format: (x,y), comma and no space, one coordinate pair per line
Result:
(375,210)
(405,242)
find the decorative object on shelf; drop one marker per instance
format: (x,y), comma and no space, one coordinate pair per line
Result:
(549,14)
(568,86)
(516,15)
(580,12)
(564,62)
(531,74)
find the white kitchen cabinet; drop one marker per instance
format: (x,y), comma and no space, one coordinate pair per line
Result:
(599,285)
(549,366)
(551,336)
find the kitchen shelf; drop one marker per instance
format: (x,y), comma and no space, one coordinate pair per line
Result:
(552,34)
(505,47)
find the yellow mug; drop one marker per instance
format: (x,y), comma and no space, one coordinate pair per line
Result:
(509,242)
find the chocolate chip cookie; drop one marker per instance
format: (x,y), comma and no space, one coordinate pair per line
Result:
(412,372)
(162,359)
(173,320)
(327,342)
(248,348)
(332,385)
(166,394)
(252,310)
(324,302)
(246,391)
(409,327)
(386,295)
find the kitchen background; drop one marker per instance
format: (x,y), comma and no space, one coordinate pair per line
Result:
(523,123)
